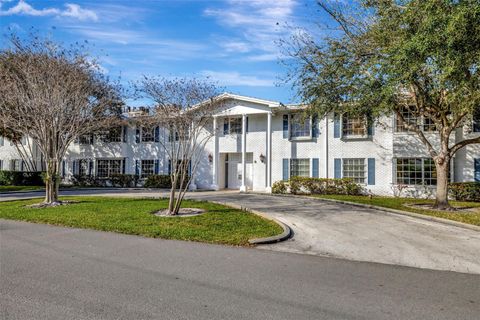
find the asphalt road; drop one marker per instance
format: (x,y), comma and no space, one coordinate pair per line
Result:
(61,273)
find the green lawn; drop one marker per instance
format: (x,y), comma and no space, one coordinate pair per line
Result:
(20,188)
(220,224)
(399,204)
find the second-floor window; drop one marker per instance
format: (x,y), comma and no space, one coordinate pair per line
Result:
(148,134)
(353,126)
(412,118)
(111,135)
(300,126)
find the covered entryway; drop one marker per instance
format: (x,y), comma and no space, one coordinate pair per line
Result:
(234,168)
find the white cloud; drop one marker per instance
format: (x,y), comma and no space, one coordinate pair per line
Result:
(259,23)
(75,11)
(71,10)
(237,79)
(235,46)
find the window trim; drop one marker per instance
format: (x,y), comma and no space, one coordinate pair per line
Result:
(142,174)
(143,130)
(229,121)
(343,136)
(420,122)
(290,166)
(299,138)
(365,170)
(423,184)
(109,176)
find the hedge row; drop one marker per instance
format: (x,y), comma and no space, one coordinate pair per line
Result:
(465,191)
(302,185)
(20,178)
(117,180)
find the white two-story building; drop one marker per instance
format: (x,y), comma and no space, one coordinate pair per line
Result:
(258,142)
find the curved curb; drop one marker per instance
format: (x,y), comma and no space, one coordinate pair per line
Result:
(287,232)
(387,210)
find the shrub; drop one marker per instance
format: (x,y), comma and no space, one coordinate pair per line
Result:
(465,191)
(86,181)
(20,178)
(299,185)
(161,181)
(124,180)
(280,187)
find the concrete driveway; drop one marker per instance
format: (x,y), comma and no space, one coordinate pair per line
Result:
(349,232)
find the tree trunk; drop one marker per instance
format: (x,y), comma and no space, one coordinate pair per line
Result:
(443,171)
(52,184)
(171,202)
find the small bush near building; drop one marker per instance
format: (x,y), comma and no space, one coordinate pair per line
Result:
(116,180)
(465,191)
(303,185)
(161,181)
(20,178)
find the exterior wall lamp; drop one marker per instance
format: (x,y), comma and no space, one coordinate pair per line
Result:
(262,158)
(210,158)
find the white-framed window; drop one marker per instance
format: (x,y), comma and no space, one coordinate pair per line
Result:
(83,167)
(300,126)
(353,126)
(147,168)
(424,123)
(299,167)
(16,165)
(148,134)
(355,169)
(85,139)
(111,135)
(234,125)
(108,167)
(416,171)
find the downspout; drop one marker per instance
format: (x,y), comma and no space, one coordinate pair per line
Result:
(326,146)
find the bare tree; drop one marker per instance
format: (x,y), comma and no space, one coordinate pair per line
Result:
(183,110)
(53,95)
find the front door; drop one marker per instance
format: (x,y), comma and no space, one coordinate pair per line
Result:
(234,172)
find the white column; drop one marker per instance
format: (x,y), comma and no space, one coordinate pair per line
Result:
(269,153)
(243,187)
(215,156)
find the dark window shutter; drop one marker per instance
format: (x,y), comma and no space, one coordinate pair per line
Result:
(90,167)
(337,168)
(225,126)
(63,168)
(22,165)
(246,129)
(285,169)
(476,125)
(315,173)
(189,173)
(137,167)
(315,126)
(285,126)
(370,128)
(371,171)
(125,132)
(336,125)
(169,167)
(74,167)
(157,134)
(477,170)
(137,135)
(157,166)
(124,165)
(91,138)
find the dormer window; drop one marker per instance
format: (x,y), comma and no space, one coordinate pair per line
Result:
(354,126)
(300,126)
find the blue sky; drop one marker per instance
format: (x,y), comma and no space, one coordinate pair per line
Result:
(230,41)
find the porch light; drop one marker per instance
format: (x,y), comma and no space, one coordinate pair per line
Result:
(210,158)
(262,158)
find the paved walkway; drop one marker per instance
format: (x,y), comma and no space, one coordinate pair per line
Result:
(65,273)
(343,231)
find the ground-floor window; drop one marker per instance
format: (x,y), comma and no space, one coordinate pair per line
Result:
(16,165)
(83,167)
(107,168)
(148,168)
(354,169)
(299,167)
(416,171)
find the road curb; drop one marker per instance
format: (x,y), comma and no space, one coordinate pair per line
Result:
(387,210)
(287,232)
